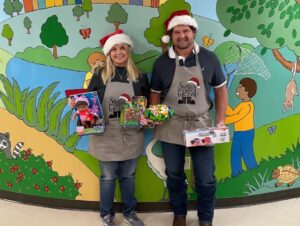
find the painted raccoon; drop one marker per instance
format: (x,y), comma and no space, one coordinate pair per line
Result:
(5,145)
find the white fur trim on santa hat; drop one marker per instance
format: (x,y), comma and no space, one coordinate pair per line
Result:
(116,39)
(182,20)
(125,97)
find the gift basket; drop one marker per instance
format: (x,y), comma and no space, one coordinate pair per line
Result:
(159,113)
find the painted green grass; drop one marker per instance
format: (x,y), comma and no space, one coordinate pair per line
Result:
(43,113)
(265,144)
(259,180)
(4,58)
(91,162)
(41,55)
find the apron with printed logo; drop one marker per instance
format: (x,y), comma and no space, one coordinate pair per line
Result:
(188,97)
(116,143)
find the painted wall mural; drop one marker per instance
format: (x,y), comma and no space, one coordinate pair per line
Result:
(47,47)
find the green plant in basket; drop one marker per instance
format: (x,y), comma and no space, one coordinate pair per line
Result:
(159,113)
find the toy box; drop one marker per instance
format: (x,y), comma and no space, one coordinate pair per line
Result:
(131,112)
(206,137)
(88,112)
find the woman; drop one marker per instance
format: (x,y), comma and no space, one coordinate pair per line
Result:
(117,149)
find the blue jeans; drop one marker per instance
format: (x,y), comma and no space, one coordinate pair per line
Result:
(242,147)
(204,168)
(110,172)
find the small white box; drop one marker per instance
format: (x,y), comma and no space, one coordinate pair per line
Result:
(206,136)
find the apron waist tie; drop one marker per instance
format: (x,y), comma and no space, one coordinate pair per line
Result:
(188,119)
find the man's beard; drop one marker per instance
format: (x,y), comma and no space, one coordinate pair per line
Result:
(184,44)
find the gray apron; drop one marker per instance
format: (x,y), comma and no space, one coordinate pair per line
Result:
(116,143)
(188,97)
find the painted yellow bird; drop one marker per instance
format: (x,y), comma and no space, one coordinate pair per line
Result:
(207,40)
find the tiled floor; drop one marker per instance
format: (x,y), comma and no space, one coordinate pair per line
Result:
(283,213)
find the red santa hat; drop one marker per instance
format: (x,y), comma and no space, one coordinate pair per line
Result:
(194,81)
(125,97)
(117,37)
(181,17)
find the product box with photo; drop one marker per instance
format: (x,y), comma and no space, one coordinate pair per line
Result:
(206,136)
(88,112)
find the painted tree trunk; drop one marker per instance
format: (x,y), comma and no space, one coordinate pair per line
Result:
(54,51)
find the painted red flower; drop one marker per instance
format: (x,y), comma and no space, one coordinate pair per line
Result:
(62,188)
(16,167)
(36,187)
(34,171)
(9,184)
(78,185)
(54,179)
(25,157)
(46,188)
(49,163)
(28,151)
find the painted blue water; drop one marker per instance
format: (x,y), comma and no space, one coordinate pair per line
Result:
(33,75)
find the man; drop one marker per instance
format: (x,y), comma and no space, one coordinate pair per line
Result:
(180,82)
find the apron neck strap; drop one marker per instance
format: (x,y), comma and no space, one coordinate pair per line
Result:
(196,55)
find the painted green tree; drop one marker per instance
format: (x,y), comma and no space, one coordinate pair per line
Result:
(27,24)
(87,7)
(274,23)
(53,34)
(116,15)
(18,6)
(7,33)
(8,8)
(77,12)
(157,29)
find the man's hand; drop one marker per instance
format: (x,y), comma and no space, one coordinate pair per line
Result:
(144,121)
(220,124)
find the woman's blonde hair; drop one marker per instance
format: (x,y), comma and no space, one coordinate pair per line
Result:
(109,69)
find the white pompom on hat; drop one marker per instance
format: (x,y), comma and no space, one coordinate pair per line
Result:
(181,17)
(117,37)
(125,97)
(194,81)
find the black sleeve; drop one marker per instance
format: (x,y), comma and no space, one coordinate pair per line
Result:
(141,86)
(156,82)
(218,77)
(145,87)
(96,84)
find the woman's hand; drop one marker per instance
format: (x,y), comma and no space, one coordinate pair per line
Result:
(144,121)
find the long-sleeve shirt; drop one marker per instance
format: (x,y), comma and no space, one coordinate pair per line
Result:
(242,116)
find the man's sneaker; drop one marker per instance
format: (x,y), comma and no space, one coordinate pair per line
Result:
(108,220)
(133,220)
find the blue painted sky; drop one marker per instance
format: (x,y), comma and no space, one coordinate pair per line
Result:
(206,9)
(200,8)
